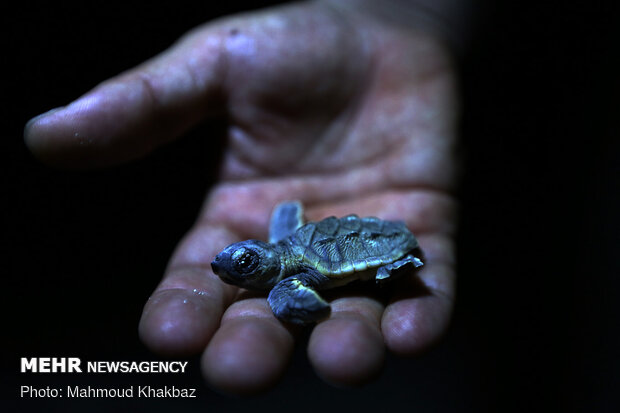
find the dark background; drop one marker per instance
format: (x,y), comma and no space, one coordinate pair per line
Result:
(535,323)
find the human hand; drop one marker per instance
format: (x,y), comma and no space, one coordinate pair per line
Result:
(339,110)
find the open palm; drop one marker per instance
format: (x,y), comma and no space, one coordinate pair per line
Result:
(339,110)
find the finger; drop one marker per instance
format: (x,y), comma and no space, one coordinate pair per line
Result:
(347,349)
(420,312)
(185,309)
(129,115)
(250,350)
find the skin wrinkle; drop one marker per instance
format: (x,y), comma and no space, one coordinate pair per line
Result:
(377,165)
(245,143)
(365,308)
(152,97)
(208,85)
(151,94)
(339,130)
(311,189)
(426,219)
(384,156)
(192,54)
(249,308)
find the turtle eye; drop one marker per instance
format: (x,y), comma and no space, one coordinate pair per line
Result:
(245,260)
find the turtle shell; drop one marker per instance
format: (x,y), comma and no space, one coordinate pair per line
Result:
(338,247)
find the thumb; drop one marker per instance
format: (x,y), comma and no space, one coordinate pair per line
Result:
(129,115)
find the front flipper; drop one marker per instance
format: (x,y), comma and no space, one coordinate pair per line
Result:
(295,299)
(397,268)
(285,219)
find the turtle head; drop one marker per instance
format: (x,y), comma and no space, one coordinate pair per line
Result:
(249,264)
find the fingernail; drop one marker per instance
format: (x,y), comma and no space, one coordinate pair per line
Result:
(42,116)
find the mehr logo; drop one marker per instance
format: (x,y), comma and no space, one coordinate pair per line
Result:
(51,365)
(73,365)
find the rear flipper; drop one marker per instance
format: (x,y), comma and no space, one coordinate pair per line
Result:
(397,269)
(285,219)
(295,300)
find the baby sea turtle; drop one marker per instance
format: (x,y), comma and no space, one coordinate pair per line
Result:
(301,259)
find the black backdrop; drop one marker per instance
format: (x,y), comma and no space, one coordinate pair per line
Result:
(535,322)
